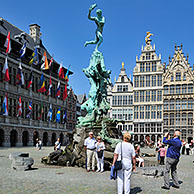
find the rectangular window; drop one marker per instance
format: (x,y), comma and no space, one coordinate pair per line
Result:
(165,104)
(141,67)
(119,88)
(153,127)
(136,96)
(184,119)
(147,56)
(136,112)
(147,96)
(178,104)
(159,96)
(190,103)
(136,81)
(184,88)
(159,111)
(148,67)
(153,112)
(171,119)
(147,127)
(184,104)
(147,80)
(166,119)
(124,100)
(141,112)
(141,128)
(159,80)
(154,66)
(141,81)
(125,88)
(147,116)
(153,95)
(190,88)
(172,89)
(178,89)
(130,99)
(178,76)
(178,119)
(141,96)
(159,127)
(154,80)
(136,128)
(165,89)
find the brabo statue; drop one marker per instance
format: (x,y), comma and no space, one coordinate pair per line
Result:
(99,20)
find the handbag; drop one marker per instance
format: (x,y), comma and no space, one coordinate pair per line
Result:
(118,163)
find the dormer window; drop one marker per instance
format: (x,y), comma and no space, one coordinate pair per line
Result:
(122,79)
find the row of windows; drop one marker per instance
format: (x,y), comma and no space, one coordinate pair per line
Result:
(125,127)
(122,88)
(148,56)
(178,119)
(178,89)
(178,77)
(148,112)
(148,80)
(148,96)
(178,104)
(122,100)
(147,67)
(123,116)
(148,127)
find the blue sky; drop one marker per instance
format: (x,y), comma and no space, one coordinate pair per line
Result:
(65,27)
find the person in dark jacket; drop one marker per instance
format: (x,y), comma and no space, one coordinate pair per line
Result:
(172,159)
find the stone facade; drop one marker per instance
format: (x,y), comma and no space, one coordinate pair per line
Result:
(178,95)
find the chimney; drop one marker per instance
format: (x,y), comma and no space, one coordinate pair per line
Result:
(35,33)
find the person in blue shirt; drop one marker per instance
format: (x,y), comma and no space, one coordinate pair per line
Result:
(172,159)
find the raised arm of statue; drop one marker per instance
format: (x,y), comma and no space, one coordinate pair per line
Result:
(90,10)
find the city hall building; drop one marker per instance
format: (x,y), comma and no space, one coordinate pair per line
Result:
(23,131)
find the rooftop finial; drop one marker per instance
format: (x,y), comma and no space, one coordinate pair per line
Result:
(123,64)
(175,46)
(181,46)
(147,38)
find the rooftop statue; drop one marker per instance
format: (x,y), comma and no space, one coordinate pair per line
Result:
(99,20)
(147,38)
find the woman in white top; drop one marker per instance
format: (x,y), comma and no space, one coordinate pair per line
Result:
(100,147)
(128,157)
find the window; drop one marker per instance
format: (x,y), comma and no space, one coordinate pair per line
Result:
(190,119)
(141,81)
(171,119)
(136,96)
(141,127)
(148,67)
(122,79)
(153,127)
(184,104)
(178,89)
(154,80)
(141,96)
(171,104)
(166,119)
(172,78)
(130,99)
(178,104)
(153,95)
(184,88)
(190,88)
(119,100)
(178,76)
(184,77)
(136,128)
(147,116)
(159,96)
(130,127)
(184,119)
(190,103)
(183,134)
(152,57)
(124,100)
(141,112)
(159,127)
(172,89)
(135,112)
(114,100)
(147,56)
(153,112)
(125,88)
(154,66)
(147,127)
(147,80)
(178,119)
(119,88)
(136,81)
(165,89)
(147,96)
(165,104)
(141,67)
(159,80)
(159,111)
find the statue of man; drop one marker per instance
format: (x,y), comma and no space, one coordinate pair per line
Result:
(99,20)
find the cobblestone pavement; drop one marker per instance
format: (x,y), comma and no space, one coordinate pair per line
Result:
(68,180)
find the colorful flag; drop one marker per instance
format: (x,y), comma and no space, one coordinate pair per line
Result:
(42,84)
(41,112)
(65,116)
(50,113)
(44,66)
(61,72)
(50,87)
(29,110)
(35,59)
(51,61)
(8,43)
(65,92)
(5,105)
(58,93)
(23,50)
(67,74)
(30,79)
(6,71)
(58,116)
(19,107)
(20,76)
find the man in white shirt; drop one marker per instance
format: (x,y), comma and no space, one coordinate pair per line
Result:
(57,144)
(89,146)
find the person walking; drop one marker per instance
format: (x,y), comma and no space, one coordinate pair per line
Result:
(57,145)
(187,148)
(89,146)
(162,151)
(172,159)
(100,147)
(128,157)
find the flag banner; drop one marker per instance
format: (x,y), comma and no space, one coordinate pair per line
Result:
(6,71)
(29,110)
(50,87)
(67,74)
(65,116)
(50,113)
(45,65)
(58,92)
(23,50)
(19,107)
(42,84)
(58,116)
(8,43)
(20,76)
(35,59)
(41,112)
(61,72)
(65,92)
(5,105)
(51,61)
(30,80)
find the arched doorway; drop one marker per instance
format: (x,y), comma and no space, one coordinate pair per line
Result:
(35,136)
(25,138)
(13,138)
(61,138)
(45,139)
(2,136)
(53,140)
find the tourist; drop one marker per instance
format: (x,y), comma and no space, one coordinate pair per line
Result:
(159,145)
(89,146)
(172,159)
(57,145)
(187,148)
(100,147)
(139,160)
(183,147)
(192,147)
(162,152)
(128,154)
(39,144)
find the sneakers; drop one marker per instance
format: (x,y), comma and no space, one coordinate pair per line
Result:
(167,188)
(102,171)
(98,170)
(176,186)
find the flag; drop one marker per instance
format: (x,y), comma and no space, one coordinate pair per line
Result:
(50,113)
(65,116)
(42,84)
(61,72)
(23,50)
(6,71)
(44,66)
(58,90)
(51,61)
(8,43)
(67,75)
(65,92)
(29,110)
(41,112)
(5,105)
(58,116)
(19,107)
(30,79)
(35,58)
(50,86)
(20,76)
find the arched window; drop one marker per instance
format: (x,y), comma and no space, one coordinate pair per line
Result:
(171,104)
(190,119)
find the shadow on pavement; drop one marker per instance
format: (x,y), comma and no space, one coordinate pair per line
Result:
(32,169)
(136,190)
